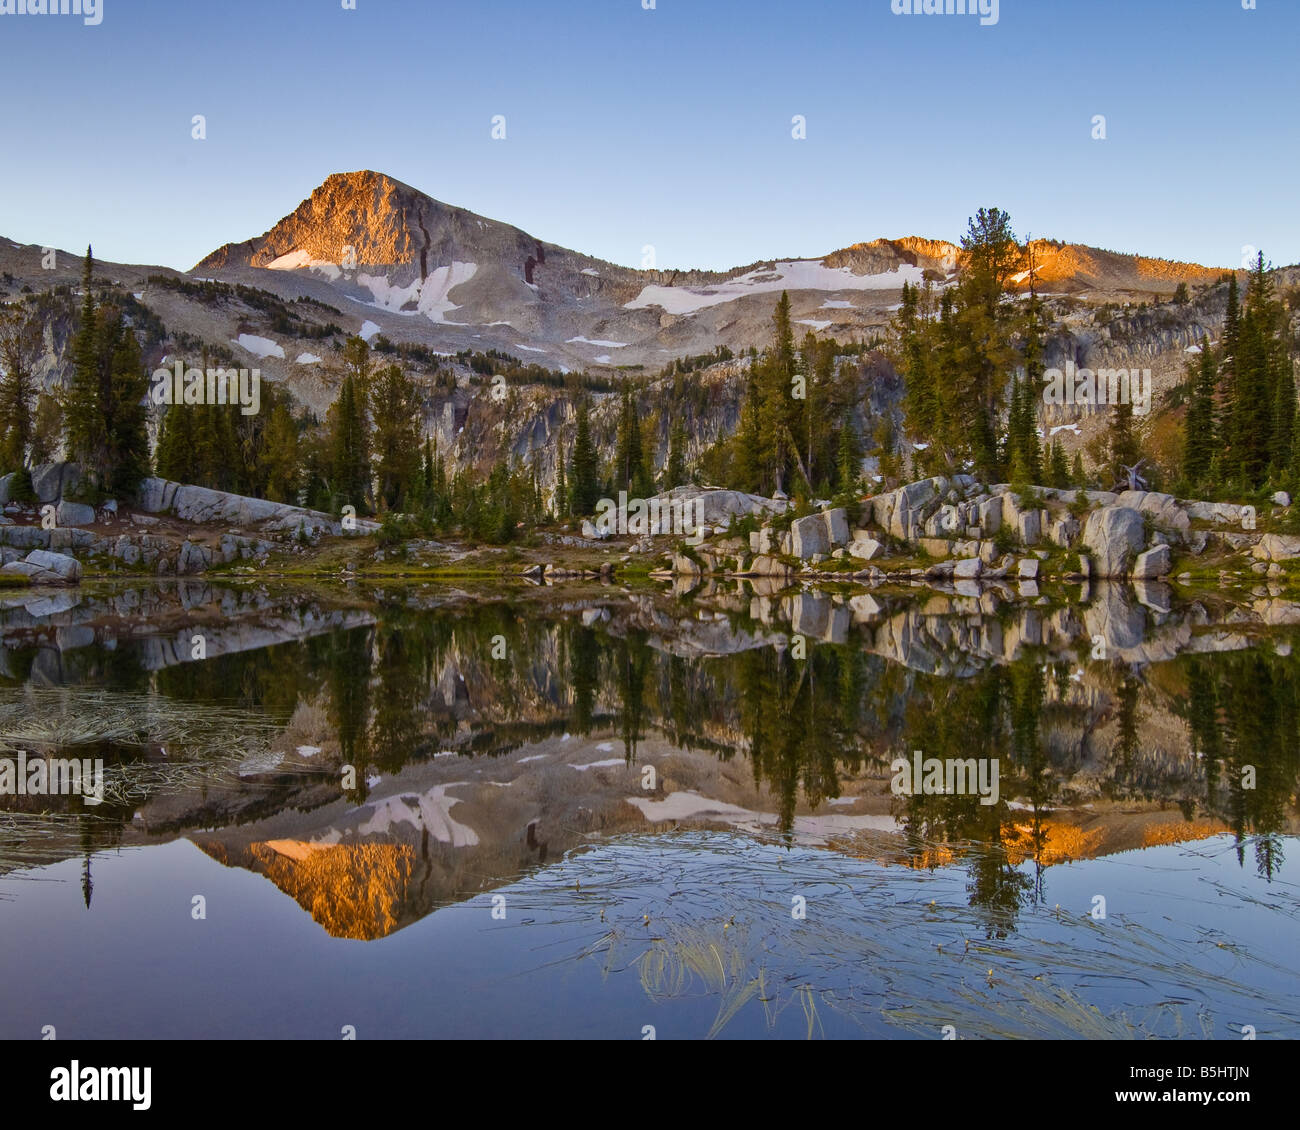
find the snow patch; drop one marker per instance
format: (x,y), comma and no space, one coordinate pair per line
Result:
(799,274)
(309,359)
(818,326)
(368,330)
(260,346)
(602,344)
(298,260)
(431,810)
(429,294)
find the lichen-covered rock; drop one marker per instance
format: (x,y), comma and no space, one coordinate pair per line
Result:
(808,536)
(1114,534)
(64,567)
(74,514)
(1152,564)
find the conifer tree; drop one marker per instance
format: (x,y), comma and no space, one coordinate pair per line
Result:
(19,335)
(847,457)
(561,479)
(127,417)
(630,472)
(1058,474)
(279,456)
(349,454)
(395,412)
(1124,451)
(584,472)
(1198,434)
(675,468)
(85,432)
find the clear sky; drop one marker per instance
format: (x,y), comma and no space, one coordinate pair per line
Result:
(670,127)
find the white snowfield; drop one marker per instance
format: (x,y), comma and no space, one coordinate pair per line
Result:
(798,274)
(260,346)
(597,342)
(428,294)
(309,359)
(298,260)
(817,326)
(368,329)
(836,304)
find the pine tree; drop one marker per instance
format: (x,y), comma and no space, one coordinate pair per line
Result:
(1058,474)
(561,480)
(675,468)
(745,460)
(1024,449)
(279,456)
(47,429)
(1078,477)
(349,455)
(175,453)
(630,472)
(1284,409)
(85,432)
(847,457)
(19,335)
(1226,420)
(1198,434)
(395,412)
(1255,380)
(127,422)
(584,468)
(1124,451)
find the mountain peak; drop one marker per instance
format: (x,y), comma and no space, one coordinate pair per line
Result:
(367,217)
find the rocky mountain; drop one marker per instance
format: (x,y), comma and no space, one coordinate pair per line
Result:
(425,271)
(366,254)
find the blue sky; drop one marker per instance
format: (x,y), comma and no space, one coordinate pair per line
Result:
(669,127)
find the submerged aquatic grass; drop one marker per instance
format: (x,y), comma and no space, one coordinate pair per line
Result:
(887,952)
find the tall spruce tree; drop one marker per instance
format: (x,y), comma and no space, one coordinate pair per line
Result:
(19,336)
(1198,433)
(395,416)
(349,453)
(85,430)
(127,416)
(584,468)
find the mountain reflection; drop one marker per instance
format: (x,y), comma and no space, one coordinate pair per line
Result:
(377,762)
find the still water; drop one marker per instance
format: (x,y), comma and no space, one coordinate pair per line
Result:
(419,812)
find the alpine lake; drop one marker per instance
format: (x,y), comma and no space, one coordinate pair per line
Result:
(416,810)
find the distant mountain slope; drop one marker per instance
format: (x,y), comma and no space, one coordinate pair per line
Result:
(451,279)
